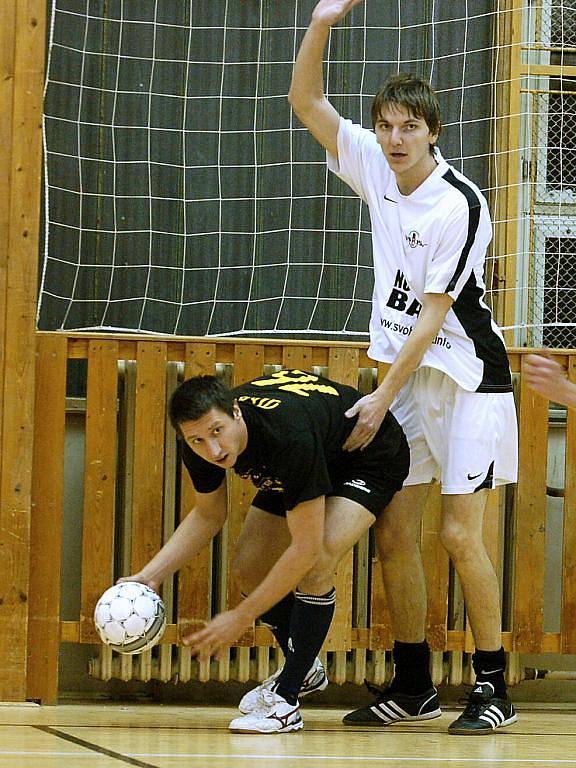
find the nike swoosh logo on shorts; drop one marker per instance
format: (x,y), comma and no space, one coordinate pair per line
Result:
(473,477)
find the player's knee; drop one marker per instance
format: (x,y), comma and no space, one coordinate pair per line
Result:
(320,578)
(393,539)
(456,539)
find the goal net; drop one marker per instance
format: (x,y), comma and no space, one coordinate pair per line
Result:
(183,197)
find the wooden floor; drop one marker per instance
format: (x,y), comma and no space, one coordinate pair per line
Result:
(155,736)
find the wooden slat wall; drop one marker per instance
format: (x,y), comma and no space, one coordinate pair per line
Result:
(7,51)
(148,462)
(246,359)
(46,523)
(99,480)
(531,524)
(506,180)
(22,36)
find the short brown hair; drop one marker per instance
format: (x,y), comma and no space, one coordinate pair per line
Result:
(414,94)
(196,396)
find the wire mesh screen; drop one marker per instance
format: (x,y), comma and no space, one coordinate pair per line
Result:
(551,102)
(554,283)
(183,197)
(561,154)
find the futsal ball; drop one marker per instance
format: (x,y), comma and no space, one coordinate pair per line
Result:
(130,617)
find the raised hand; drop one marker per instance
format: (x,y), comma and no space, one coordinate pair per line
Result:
(329,12)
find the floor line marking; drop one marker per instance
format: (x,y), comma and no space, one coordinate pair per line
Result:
(132,757)
(95,748)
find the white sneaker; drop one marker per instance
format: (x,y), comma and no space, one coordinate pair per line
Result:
(315,680)
(272,714)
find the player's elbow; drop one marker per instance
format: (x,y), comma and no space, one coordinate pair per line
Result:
(296,101)
(303,104)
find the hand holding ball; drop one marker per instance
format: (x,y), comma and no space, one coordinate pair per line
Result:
(130,617)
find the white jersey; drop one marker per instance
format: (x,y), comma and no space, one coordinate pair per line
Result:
(431,241)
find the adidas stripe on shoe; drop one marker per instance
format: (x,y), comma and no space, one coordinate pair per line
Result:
(315,680)
(391,707)
(484,712)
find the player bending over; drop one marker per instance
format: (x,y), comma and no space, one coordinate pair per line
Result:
(286,433)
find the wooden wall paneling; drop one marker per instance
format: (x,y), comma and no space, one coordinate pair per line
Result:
(194,601)
(7,53)
(530,522)
(22,41)
(170,517)
(100,459)
(148,461)
(506,173)
(46,521)
(297,357)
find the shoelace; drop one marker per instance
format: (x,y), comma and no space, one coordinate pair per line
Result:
(266,699)
(380,692)
(473,704)
(267,683)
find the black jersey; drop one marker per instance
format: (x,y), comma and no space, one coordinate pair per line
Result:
(296,430)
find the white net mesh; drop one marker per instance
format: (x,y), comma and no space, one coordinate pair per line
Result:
(182,196)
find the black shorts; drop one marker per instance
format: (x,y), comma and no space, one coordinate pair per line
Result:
(370,477)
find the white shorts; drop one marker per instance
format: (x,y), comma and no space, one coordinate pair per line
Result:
(465,440)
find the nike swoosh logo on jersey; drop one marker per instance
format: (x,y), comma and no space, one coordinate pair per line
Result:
(390,200)
(473,477)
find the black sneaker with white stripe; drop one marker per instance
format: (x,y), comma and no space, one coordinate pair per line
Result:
(393,706)
(484,713)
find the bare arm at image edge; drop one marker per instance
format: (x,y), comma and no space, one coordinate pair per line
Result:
(547,377)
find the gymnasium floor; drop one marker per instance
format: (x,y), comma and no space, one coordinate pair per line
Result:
(169,736)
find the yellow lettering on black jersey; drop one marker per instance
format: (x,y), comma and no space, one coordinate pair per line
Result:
(295,381)
(268,403)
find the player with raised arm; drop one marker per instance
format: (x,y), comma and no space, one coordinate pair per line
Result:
(449,384)
(286,433)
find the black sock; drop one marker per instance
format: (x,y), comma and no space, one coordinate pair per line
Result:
(309,625)
(277,619)
(411,668)
(489,667)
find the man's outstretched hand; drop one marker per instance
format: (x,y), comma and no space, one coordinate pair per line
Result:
(217,635)
(329,12)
